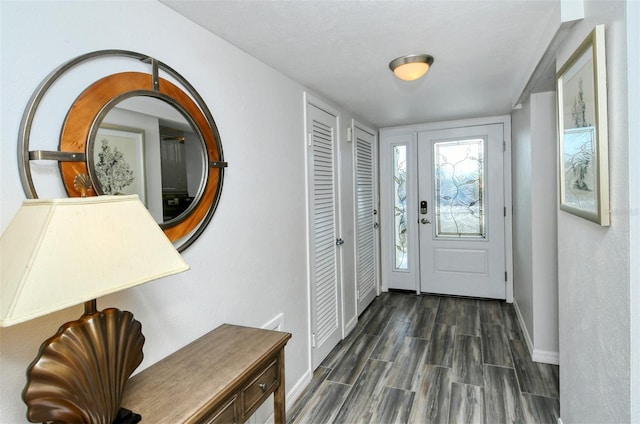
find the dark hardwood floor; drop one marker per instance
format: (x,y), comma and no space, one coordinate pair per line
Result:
(431,359)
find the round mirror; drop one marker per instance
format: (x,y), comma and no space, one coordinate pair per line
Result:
(137,133)
(146,146)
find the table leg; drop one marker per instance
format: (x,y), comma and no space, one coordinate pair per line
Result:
(279,401)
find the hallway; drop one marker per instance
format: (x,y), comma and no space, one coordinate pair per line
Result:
(431,359)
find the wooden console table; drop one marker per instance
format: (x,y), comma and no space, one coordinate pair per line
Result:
(222,377)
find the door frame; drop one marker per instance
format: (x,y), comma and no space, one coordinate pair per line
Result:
(391,136)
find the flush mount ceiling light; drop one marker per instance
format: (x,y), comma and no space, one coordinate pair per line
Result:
(411,67)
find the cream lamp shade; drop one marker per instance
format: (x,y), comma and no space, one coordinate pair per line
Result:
(59,253)
(411,67)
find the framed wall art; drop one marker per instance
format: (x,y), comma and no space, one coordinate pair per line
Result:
(582,131)
(118,158)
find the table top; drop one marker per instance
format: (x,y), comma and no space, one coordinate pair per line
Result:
(189,381)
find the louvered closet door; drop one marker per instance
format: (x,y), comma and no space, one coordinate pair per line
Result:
(366,217)
(324,278)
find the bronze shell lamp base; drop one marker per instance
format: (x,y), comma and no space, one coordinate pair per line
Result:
(80,373)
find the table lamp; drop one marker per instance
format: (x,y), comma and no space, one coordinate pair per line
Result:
(60,253)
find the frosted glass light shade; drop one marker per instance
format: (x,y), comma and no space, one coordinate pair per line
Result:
(60,253)
(411,67)
(411,71)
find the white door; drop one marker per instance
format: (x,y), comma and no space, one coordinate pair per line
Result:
(323,225)
(366,216)
(462,211)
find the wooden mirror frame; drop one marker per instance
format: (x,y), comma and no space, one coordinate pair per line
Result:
(87,112)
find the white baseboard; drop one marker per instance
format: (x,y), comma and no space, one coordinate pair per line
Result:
(537,355)
(298,388)
(545,356)
(348,328)
(523,327)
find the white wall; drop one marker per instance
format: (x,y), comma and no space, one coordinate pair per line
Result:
(594,261)
(521,146)
(633,63)
(249,265)
(535,290)
(545,243)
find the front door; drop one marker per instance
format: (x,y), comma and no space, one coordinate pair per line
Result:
(461,212)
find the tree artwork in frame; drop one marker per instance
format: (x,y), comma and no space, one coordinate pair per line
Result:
(582,131)
(118,158)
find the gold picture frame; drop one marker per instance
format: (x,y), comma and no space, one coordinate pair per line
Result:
(582,131)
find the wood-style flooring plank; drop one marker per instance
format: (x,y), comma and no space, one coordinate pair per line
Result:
(447,311)
(365,394)
(394,407)
(429,301)
(405,307)
(469,318)
(422,324)
(324,406)
(431,404)
(441,345)
(391,340)
(502,402)
(370,311)
(467,360)
(540,409)
(511,323)
(535,378)
(407,370)
(495,346)
(354,359)
(490,312)
(377,323)
(467,404)
(309,393)
(335,356)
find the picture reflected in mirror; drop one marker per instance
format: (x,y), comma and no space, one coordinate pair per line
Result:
(145,146)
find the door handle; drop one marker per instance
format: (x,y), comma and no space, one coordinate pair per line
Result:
(425,221)
(339,242)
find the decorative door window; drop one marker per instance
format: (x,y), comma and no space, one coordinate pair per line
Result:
(459,188)
(400,205)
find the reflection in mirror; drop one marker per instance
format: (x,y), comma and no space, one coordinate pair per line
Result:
(145,146)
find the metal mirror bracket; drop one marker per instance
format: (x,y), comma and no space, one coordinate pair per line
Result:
(90,107)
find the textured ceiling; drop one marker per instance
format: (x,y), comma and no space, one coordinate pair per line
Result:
(484,51)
